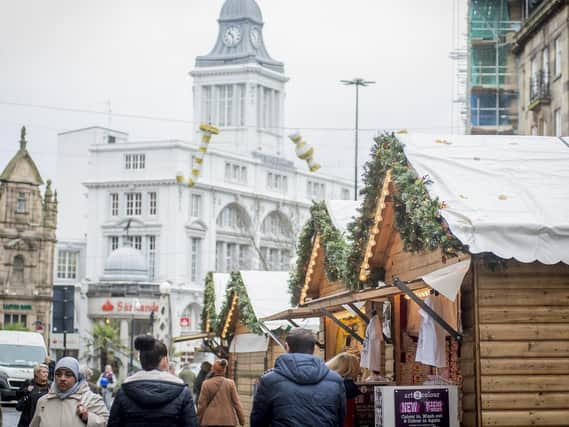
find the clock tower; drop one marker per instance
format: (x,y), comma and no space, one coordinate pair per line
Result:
(238,87)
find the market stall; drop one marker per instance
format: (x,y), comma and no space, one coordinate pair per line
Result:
(467,238)
(322,250)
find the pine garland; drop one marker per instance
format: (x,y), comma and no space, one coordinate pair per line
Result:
(417,215)
(333,242)
(208,311)
(244,309)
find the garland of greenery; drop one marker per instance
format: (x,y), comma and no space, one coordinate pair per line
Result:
(331,239)
(244,308)
(416,214)
(208,311)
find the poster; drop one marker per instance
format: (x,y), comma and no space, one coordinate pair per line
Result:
(365,407)
(422,408)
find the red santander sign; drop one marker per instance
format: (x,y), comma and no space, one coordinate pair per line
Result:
(128,307)
(185,322)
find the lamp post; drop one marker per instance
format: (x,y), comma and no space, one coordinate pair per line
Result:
(135,307)
(357,82)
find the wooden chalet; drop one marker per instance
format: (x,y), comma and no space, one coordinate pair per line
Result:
(482,220)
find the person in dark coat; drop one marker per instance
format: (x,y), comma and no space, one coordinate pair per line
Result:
(30,393)
(205,370)
(153,396)
(50,363)
(301,390)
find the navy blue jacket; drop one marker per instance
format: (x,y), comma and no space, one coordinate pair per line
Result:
(299,391)
(153,398)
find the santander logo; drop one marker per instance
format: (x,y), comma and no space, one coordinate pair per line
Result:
(107,306)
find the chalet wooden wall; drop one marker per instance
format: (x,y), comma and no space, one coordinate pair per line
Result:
(248,368)
(523,315)
(468,353)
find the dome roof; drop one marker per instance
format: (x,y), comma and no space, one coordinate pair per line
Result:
(238,9)
(126,264)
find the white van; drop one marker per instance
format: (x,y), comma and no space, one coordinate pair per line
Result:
(19,352)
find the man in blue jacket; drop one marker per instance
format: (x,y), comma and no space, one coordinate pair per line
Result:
(300,390)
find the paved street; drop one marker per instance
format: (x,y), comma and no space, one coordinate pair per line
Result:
(9,415)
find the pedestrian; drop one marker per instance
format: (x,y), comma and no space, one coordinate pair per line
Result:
(70,402)
(172,368)
(187,375)
(106,384)
(219,403)
(205,369)
(88,375)
(347,366)
(153,396)
(30,393)
(301,390)
(51,368)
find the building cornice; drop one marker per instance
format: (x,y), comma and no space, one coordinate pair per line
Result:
(535,22)
(228,70)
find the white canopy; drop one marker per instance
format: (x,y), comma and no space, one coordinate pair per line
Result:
(267,291)
(342,212)
(220,281)
(508,195)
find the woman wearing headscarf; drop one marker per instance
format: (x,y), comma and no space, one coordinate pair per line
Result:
(153,396)
(219,403)
(70,402)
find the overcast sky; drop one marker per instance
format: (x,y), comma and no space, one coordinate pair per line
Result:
(78,54)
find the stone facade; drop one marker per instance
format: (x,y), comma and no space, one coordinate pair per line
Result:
(541,48)
(28,222)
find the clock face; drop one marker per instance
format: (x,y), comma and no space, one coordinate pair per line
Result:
(232,36)
(255,37)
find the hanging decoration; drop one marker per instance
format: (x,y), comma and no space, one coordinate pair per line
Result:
(417,216)
(236,303)
(304,151)
(318,231)
(197,160)
(209,318)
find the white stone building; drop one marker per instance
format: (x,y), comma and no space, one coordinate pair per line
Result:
(247,207)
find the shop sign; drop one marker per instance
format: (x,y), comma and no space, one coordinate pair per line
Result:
(185,322)
(422,408)
(17,306)
(127,307)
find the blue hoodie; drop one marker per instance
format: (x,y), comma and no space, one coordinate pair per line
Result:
(299,391)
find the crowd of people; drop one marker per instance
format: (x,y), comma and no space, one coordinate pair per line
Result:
(301,390)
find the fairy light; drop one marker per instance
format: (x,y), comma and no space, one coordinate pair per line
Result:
(310,268)
(421,293)
(375,228)
(229,315)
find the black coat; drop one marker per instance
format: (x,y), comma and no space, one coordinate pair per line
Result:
(299,391)
(162,400)
(28,397)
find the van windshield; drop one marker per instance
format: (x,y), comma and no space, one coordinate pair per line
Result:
(21,355)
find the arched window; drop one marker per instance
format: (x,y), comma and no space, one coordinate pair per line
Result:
(277,242)
(276,225)
(231,218)
(18,269)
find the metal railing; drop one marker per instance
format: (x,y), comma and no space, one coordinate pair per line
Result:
(539,87)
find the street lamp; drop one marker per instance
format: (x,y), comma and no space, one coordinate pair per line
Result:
(357,82)
(135,307)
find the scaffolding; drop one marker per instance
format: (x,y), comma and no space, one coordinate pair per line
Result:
(492,80)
